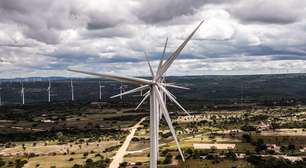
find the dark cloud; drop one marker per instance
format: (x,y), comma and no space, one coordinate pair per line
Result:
(262,50)
(156,11)
(102,20)
(41,20)
(288,57)
(48,36)
(69,58)
(17,45)
(119,31)
(153,11)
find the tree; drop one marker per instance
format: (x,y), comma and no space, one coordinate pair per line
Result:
(231,155)
(260,145)
(123,165)
(2,162)
(247,138)
(168,159)
(23,147)
(20,163)
(291,147)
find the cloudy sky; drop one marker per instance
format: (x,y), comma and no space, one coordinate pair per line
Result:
(45,37)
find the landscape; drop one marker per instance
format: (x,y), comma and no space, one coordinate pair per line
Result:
(231,123)
(152,84)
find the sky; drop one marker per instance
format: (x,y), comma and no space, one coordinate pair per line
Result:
(45,37)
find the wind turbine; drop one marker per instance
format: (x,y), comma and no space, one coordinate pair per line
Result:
(100,91)
(72,90)
(49,91)
(22,92)
(155,86)
(121,89)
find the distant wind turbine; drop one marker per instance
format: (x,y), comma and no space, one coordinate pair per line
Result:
(49,91)
(121,90)
(100,91)
(22,93)
(155,88)
(72,90)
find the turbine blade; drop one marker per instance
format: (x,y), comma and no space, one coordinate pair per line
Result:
(171,59)
(132,80)
(174,86)
(172,98)
(142,101)
(148,61)
(168,119)
(148,92)
(163,55)
(131,91)
(171,94)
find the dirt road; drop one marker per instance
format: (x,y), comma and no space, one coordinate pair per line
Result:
(118,158)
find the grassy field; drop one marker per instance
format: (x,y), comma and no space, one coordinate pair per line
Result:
(58,161)
(197,163)
(57,155)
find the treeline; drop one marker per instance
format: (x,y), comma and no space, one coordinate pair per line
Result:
(272,162)
(53,134)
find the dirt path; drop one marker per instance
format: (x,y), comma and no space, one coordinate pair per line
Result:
(118,158)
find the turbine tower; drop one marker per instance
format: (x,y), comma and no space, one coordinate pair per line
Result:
(121,89)
(22,92)
(100,91)
(49,91)
(72,90)
(155,88)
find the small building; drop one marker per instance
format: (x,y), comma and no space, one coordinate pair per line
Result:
(263,126)
(240,155)
(303,149)
(47,121)
(213,146)
(273,147)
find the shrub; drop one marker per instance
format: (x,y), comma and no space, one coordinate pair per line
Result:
(123,165)
(76,166)
(85,154)
(20,163)
(168,159)
(2,162)
(138,163)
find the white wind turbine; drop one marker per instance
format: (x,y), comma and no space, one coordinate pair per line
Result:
(121,90)
(22,93)
(156,88)
(49,91)
(72,90)
(100,91)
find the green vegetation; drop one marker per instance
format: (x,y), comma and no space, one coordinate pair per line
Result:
(84,135)
(271,162)
(102,163)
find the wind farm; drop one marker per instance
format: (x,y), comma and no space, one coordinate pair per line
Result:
(151,84)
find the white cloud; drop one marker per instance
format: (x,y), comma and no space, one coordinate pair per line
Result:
(43,37)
